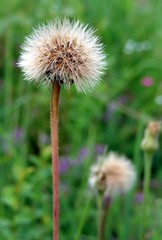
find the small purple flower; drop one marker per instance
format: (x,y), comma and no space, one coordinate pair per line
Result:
(147,81)
(17,134)
(99,149)
(110,109)
(139,197)
(122,99)
(64,164)
(113,106)
(83,153)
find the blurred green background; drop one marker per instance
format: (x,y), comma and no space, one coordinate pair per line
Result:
(113,115)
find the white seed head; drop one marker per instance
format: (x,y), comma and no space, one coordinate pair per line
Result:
(112,175)
(63,51)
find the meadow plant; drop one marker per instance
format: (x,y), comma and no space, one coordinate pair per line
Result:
(113,175)
(149,145)
(61,53)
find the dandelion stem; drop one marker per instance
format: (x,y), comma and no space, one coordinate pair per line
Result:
(54,142)
(103,208)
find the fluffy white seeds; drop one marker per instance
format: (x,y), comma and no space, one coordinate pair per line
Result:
(113,175)
(65,52)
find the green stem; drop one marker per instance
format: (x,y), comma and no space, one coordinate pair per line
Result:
(83,218)
(147,176)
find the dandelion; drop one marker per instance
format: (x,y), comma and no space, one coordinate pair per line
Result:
(62,53)
(111,176)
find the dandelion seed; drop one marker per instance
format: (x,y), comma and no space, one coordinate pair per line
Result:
(63,51)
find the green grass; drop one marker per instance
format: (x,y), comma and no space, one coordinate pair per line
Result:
(114,114)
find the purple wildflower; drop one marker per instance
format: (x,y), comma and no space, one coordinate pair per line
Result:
(139,197)
(113,106)
(99,149)
(17,134)
(147,81)
(64,164)
(83,153)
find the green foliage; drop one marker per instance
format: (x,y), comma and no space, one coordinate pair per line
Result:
(114,114)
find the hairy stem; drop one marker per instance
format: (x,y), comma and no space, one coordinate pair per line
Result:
(54,142)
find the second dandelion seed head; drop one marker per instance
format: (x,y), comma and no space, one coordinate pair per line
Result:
(112,175)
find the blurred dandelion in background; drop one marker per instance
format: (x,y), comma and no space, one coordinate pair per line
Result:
(112,175)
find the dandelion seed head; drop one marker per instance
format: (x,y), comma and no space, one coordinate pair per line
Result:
(112,175)
(63,51)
